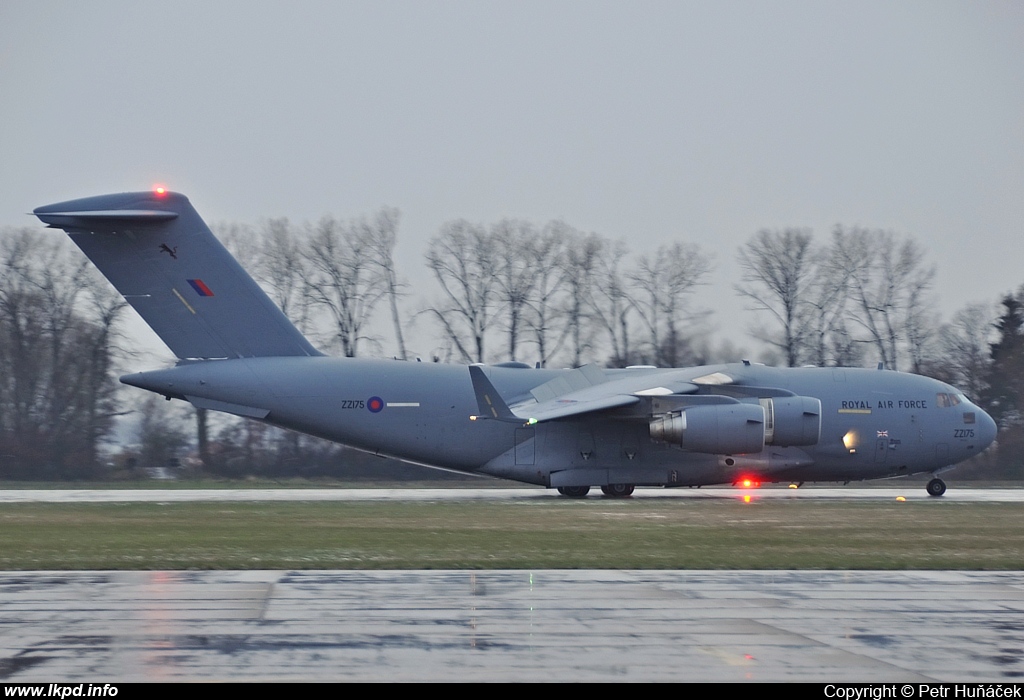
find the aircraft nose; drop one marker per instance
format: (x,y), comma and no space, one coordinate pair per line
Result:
(986,430)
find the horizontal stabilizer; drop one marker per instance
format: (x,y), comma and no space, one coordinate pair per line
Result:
(74,219)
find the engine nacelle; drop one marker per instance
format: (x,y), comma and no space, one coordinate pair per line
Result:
(735,428)
(792,421)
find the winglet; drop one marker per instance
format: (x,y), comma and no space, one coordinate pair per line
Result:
(489,400)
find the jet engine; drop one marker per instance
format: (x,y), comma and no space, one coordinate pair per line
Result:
(734,428)
(792,421)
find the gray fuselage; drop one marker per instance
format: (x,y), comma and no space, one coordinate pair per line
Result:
(873,423)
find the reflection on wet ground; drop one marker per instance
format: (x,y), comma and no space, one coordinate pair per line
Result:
(512,625)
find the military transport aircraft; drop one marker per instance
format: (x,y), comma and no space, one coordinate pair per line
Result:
(566,429)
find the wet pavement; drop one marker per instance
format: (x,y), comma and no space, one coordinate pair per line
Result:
(545,625)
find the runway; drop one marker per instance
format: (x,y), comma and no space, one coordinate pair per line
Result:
(522,625)
(547,625)
(912,491)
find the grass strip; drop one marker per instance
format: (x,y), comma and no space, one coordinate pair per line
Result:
(555,533)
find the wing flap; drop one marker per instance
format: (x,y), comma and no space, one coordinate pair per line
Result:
(677,402)
(492,406)
(575,380)
(593,392)
(565,407)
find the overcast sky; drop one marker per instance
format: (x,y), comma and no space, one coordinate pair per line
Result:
(647,121)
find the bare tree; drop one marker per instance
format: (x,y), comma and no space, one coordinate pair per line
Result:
(888,285)
(57,334)
(580,262)
(921,327)
(663,283)
(281,257)
(342,278)
(241,240)
(283,268)
(382,234)
(778,269)
(103,309)
(547,258)
(462,258)
(513,242)
(965,345)
(273,252)
(613,306)
(828,340)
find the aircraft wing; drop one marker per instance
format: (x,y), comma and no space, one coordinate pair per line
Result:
(581,391)
(567,406)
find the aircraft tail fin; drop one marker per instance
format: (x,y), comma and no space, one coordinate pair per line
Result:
(157,251)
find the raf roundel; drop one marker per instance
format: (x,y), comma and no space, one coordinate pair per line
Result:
(375,404)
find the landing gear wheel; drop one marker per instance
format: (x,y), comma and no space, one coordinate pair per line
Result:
(936,487)
(574,491)
(618,490)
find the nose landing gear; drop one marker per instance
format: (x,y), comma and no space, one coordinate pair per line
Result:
(936,487)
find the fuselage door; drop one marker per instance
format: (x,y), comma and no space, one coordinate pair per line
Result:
(881,450)
(525,446)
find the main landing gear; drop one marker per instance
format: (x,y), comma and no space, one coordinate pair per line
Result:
(936,487)
(613,490)
(618,490)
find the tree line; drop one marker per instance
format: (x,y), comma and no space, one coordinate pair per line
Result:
(547,294)
(58,349)
(509,291)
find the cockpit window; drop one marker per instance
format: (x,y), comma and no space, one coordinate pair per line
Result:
(947,400)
